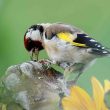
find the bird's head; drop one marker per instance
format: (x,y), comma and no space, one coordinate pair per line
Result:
(33,40)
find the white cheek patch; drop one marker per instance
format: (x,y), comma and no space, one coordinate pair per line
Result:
(34,35)
(28,34)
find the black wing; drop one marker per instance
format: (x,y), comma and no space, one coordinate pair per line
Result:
(96,47)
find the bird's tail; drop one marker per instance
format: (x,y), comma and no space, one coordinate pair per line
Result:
(101,52)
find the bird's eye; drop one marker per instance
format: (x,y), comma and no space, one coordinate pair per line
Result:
(35,27)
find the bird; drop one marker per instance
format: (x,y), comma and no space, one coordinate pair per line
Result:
(66,45)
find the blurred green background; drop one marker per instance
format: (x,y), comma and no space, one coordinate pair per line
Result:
(93,16)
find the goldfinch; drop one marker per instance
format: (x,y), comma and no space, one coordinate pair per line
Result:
(69,47)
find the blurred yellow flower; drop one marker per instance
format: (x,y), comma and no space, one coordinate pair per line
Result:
(79,99)
(107,93)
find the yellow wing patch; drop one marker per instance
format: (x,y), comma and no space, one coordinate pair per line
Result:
(68,37)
